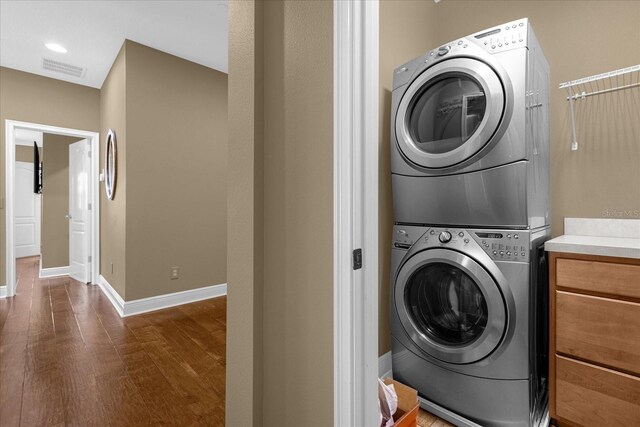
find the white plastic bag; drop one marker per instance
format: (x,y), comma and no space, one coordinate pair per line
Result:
(387,403)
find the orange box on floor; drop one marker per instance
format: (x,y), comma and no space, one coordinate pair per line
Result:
(407,413)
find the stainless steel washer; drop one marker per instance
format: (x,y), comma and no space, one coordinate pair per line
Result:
(469,322)
(470,132)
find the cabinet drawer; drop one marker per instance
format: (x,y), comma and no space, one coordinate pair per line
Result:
(599,277)
(592,396)
(599,330)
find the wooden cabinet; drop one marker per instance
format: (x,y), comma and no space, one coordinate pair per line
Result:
(594,340)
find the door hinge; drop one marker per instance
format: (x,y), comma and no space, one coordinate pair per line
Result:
(89,206)
(357,259)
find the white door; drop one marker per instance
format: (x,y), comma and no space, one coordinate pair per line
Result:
(79,167)
(27,212)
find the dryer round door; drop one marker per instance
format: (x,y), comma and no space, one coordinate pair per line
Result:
(450,306)
(449,113)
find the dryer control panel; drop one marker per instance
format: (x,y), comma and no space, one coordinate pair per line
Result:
(505,245)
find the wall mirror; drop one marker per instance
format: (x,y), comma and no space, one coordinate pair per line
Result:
(110,160)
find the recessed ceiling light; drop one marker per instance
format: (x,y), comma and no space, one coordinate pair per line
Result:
(56,47)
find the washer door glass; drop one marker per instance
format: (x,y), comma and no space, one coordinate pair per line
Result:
(449,113)
(450,306)
(446,114)
(446,304)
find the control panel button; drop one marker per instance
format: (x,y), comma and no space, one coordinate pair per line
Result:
(466,240)
(515,236)
(495,252)
(508,253)
(432,232)
(461,234)
(445,237)
(443,50)
(501,253)
(522,254)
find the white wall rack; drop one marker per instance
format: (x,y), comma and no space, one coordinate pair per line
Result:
(624,78)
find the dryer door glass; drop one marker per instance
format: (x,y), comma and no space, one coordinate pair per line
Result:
(446,113)
(446,304)
(449,113)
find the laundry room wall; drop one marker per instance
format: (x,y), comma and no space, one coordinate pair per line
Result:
(407,30)
(579,38)
(31,98)
(54,232)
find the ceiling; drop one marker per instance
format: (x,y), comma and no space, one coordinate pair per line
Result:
(93,32)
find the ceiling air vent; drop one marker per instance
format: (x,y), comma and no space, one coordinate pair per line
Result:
(61,67)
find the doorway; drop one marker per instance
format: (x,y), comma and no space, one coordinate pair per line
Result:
(86,201)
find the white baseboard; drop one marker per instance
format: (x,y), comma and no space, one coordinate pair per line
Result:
(114,297)
(384,366)
(53,271)
(144,305)
(3,291)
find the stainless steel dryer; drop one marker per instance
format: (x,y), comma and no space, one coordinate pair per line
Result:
(469,322)
(470,132)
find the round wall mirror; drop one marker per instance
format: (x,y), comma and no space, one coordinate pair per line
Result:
(110,169)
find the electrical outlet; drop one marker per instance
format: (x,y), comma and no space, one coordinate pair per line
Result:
(175,273)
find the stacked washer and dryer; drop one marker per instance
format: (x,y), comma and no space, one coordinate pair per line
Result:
(470,174)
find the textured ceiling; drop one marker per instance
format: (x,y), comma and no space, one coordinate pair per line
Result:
(93,32)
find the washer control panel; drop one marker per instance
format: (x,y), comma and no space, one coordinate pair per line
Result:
(504,245)
(404,236)
(500,245)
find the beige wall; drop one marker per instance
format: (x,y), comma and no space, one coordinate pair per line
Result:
(177,175)
(170,204)
(25,154)
(245,248)
(291,214)
(396,48)
(31,98)
(579,38)
(113,110)
(54,230)
(298,214)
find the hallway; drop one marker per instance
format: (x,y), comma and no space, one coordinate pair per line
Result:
(67,358)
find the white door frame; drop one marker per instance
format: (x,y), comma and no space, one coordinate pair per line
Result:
(94,227)
(356,98)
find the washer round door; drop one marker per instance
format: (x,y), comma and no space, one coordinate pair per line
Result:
(450,306)
(449,113)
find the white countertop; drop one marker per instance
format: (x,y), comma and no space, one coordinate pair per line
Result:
(605,237)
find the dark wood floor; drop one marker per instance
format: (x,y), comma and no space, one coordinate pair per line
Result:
(67,358)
